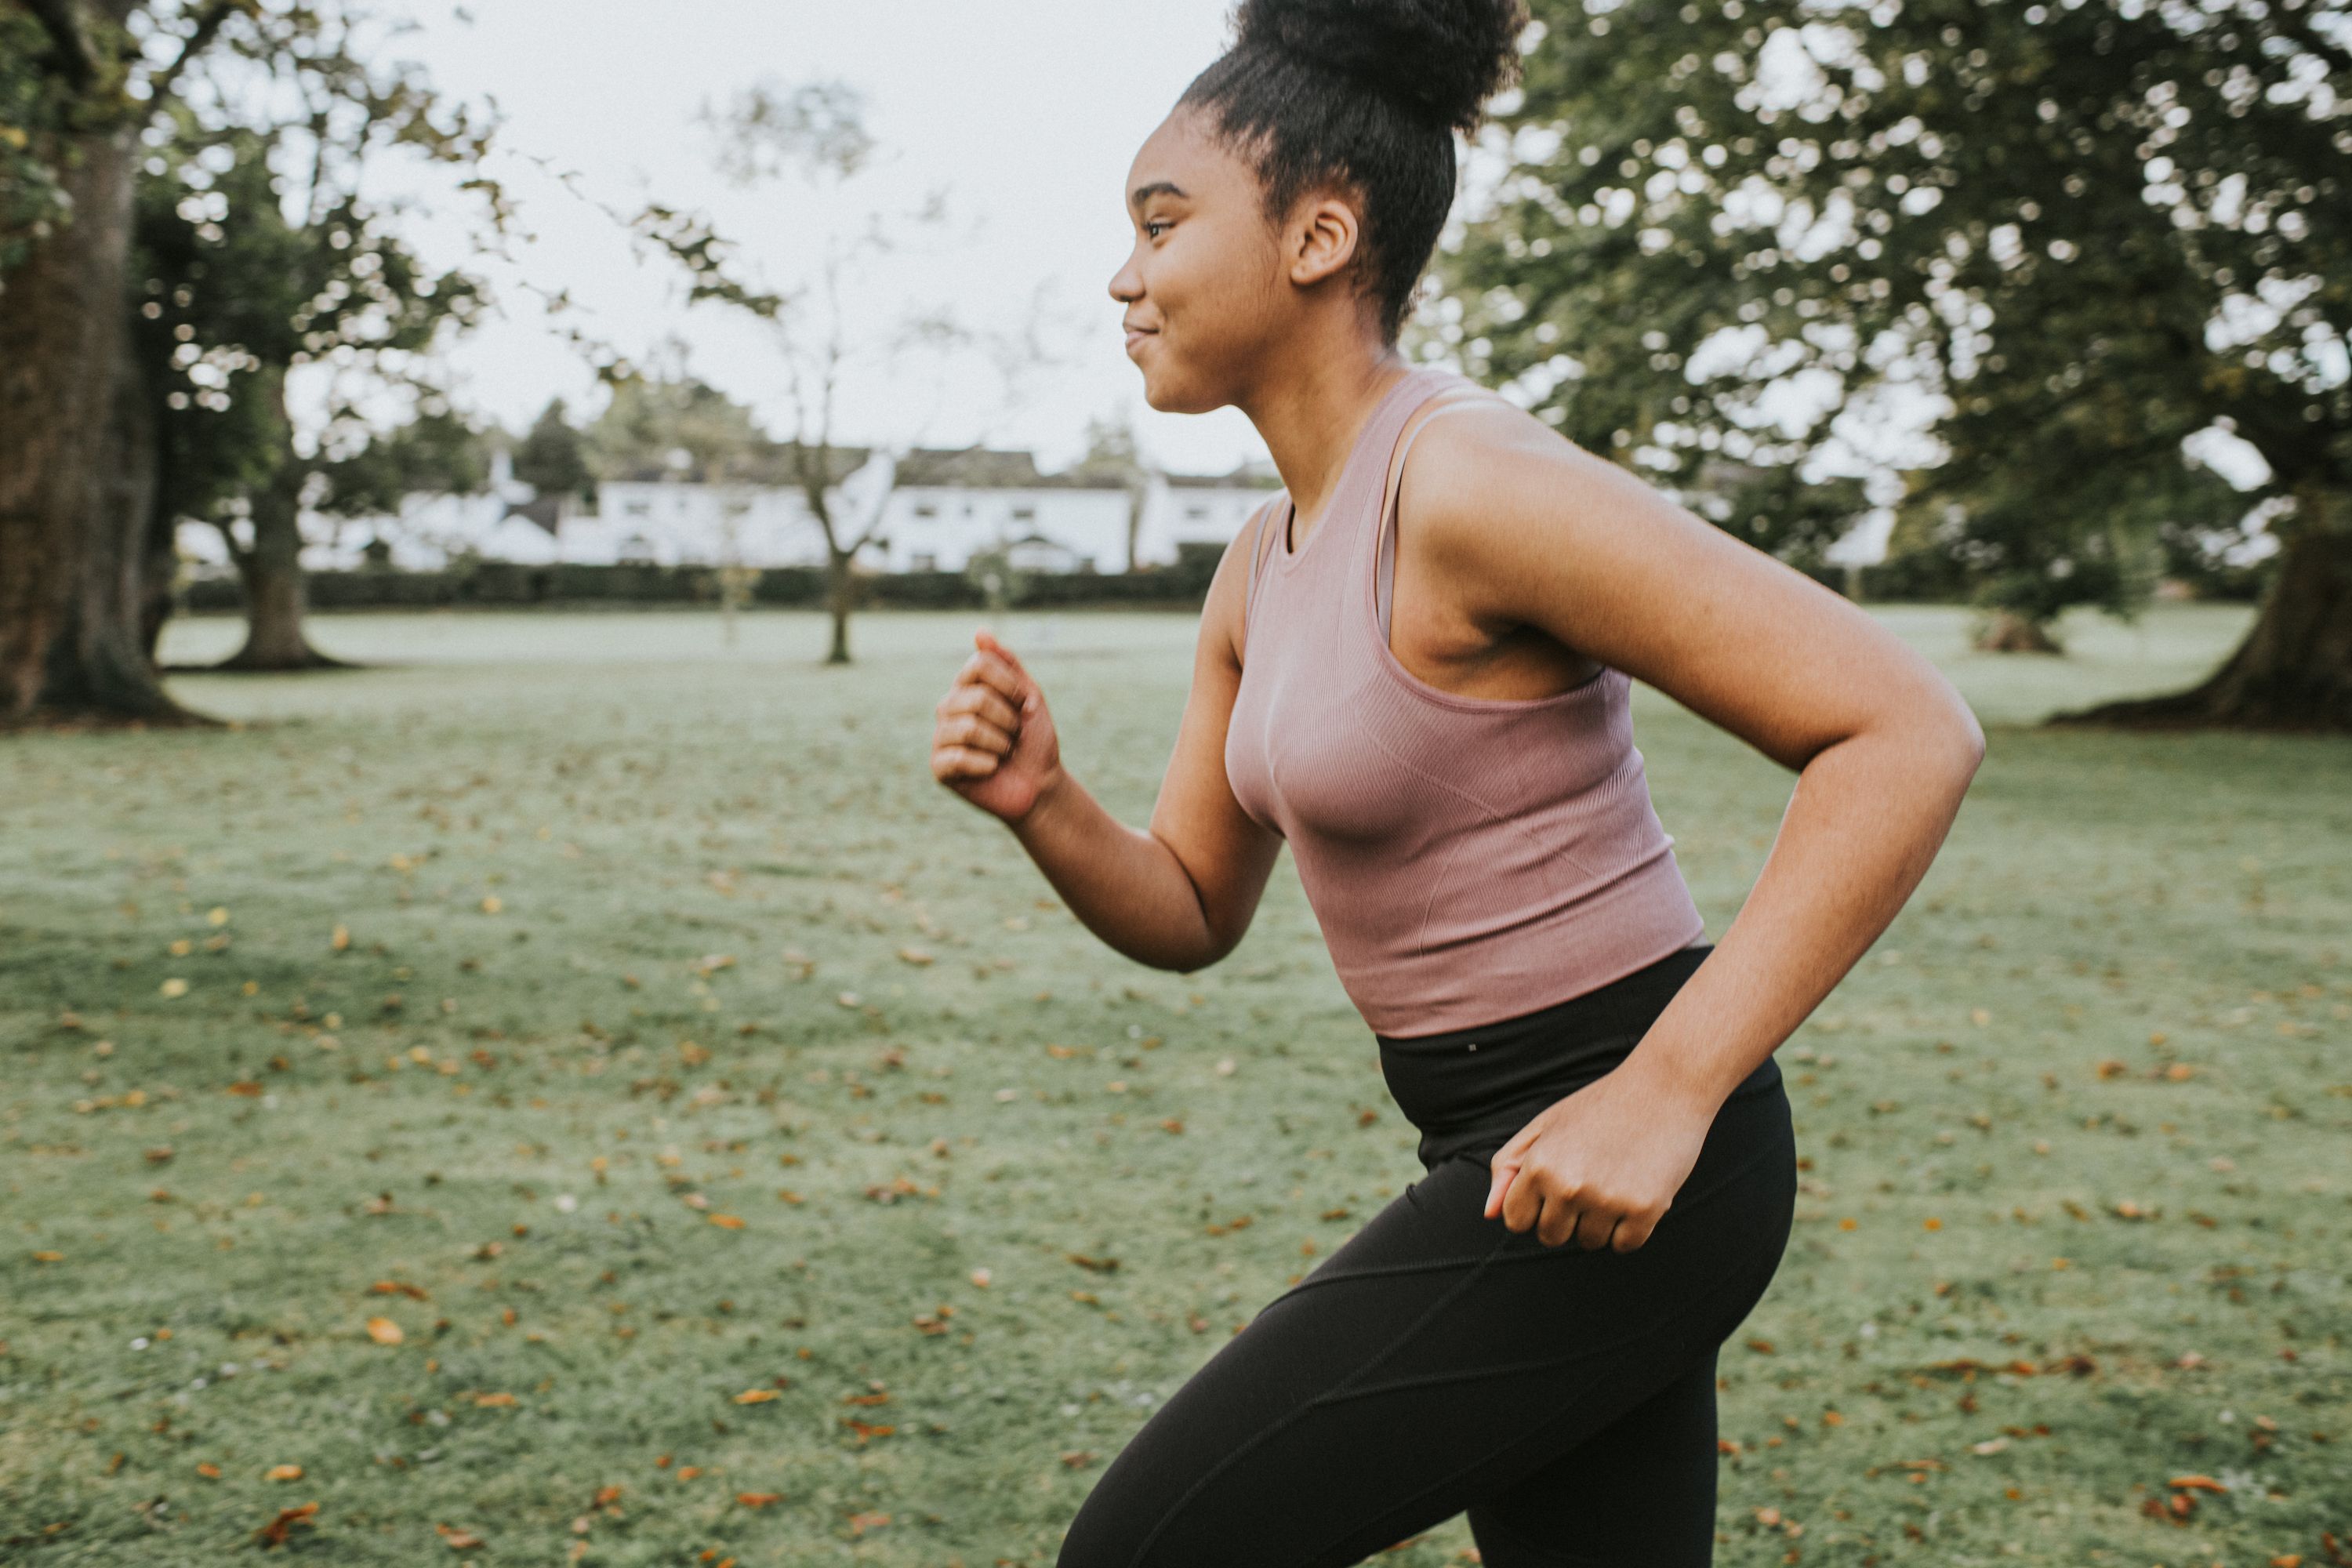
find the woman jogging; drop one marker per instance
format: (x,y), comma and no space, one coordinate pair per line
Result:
(1414,667)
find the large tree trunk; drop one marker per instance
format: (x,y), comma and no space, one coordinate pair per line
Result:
(74,468)
(2292,672)
(272,568)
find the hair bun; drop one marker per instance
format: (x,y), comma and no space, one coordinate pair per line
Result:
(1448,57)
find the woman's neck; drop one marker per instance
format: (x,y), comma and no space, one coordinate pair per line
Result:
(1310,420)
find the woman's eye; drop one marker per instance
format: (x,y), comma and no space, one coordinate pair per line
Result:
(1153,227)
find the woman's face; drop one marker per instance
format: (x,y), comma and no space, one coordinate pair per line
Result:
(1203,288)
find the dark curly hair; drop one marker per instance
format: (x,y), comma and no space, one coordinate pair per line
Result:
(1365,94)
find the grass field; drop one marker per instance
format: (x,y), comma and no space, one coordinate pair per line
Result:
(581,1093)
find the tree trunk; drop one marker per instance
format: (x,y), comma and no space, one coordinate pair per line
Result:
(272,568)
(839,590)
(76,475)
(2006,631)
(2292,672)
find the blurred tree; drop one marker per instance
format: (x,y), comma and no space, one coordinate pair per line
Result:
(552,459)
(439,452)
(206,158)
(77,86)
(1112,457)
(662,422)
(818,129)
(260,256)
(2083,231)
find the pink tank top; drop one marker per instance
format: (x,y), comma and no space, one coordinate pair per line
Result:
(1469,860)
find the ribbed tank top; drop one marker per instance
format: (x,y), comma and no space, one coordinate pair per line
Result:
(1469,860)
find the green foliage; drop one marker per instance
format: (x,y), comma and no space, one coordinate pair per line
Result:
(254,253)
(2036,214)
(553,457)
(439,452)
(231,295)
(678,427)
(29,110)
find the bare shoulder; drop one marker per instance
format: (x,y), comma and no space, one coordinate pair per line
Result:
(1525,526)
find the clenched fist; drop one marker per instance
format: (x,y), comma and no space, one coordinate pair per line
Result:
(1602,1166)
(994,743)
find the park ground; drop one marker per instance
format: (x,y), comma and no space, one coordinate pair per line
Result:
(578,1091)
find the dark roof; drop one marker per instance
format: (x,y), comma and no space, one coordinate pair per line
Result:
(775,463)
(546,511)
(972,467)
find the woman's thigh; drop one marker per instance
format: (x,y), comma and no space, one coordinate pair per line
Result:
(1435,1359)
(1638,1493)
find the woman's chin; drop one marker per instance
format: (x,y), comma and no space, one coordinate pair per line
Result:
(1166,395)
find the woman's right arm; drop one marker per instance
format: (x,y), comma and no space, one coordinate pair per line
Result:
(1178,896)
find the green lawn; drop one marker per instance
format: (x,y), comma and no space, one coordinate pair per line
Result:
(634,1026)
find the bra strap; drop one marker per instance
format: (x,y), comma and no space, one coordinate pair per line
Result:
(1384,565)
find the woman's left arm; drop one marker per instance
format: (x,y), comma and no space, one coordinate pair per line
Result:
(1518,525)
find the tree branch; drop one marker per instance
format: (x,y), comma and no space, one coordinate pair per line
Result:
(65,33)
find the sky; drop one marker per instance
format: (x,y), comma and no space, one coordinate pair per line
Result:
(1023,118)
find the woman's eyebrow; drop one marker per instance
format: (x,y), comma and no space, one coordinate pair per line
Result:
(1157,188)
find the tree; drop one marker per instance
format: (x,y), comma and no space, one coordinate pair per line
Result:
(818,130)
(1112,457)
(261,257)
(552,459)
(668,423)
(2080,233)
(202,162)
(76,463)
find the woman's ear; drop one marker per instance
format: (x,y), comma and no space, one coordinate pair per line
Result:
(1322,240)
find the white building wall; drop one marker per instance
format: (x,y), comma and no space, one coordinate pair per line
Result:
(1192,514)
(940,528)
(666,524)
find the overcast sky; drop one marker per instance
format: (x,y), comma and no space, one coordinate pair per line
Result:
(1026,117)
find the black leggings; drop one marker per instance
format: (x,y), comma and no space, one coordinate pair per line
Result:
(1439,1362)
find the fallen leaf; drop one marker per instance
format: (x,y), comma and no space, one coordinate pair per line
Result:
(274,1532)
(385,1332)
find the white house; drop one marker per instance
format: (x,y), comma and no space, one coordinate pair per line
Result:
(942,507)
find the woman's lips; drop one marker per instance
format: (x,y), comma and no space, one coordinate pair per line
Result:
(1135,336)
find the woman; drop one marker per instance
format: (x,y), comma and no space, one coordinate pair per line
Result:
(1416,667)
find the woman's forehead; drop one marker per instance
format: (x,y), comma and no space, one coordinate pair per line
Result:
(1177,153)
